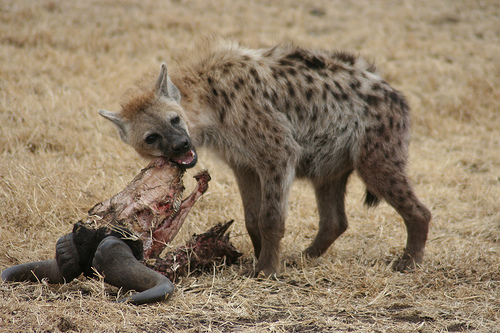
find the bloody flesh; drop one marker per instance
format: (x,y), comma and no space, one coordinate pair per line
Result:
(150,206)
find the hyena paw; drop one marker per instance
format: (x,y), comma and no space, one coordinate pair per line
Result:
(312,252)
(406,263)
(255,272)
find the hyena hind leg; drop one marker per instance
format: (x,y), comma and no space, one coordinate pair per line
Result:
(391,183)
(332,218)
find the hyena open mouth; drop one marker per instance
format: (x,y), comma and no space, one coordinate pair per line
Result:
(187,160)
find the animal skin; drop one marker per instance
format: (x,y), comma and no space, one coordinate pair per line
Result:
(278,113)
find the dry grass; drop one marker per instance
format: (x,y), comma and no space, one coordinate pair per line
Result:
(62,60)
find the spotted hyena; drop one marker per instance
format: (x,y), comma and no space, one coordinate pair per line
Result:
(275,114)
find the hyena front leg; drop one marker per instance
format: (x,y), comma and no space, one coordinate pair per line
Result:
(332,218)
(250,191)
(275,187)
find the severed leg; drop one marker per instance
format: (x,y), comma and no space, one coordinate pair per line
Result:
(116,262)
(146,215)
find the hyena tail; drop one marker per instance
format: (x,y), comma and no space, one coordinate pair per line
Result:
(371,200)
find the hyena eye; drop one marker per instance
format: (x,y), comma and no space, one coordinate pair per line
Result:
(150,139)
(175,120)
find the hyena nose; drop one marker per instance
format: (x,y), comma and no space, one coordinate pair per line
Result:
(181,146)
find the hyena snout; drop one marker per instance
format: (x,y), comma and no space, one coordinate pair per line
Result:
(182,151)
(181,146)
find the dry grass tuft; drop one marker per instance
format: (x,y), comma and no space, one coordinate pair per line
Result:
(62,60)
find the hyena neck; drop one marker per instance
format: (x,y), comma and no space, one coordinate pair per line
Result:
(198,76)
(199,121)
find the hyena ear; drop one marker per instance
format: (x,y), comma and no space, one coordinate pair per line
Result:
(165,87)
(116,119)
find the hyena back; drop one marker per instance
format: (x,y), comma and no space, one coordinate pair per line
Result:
(279,113)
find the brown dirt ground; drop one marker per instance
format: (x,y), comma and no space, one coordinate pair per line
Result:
(62,60)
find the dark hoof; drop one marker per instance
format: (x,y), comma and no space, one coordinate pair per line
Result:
(67,258)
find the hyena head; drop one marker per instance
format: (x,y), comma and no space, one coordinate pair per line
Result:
(153,122)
